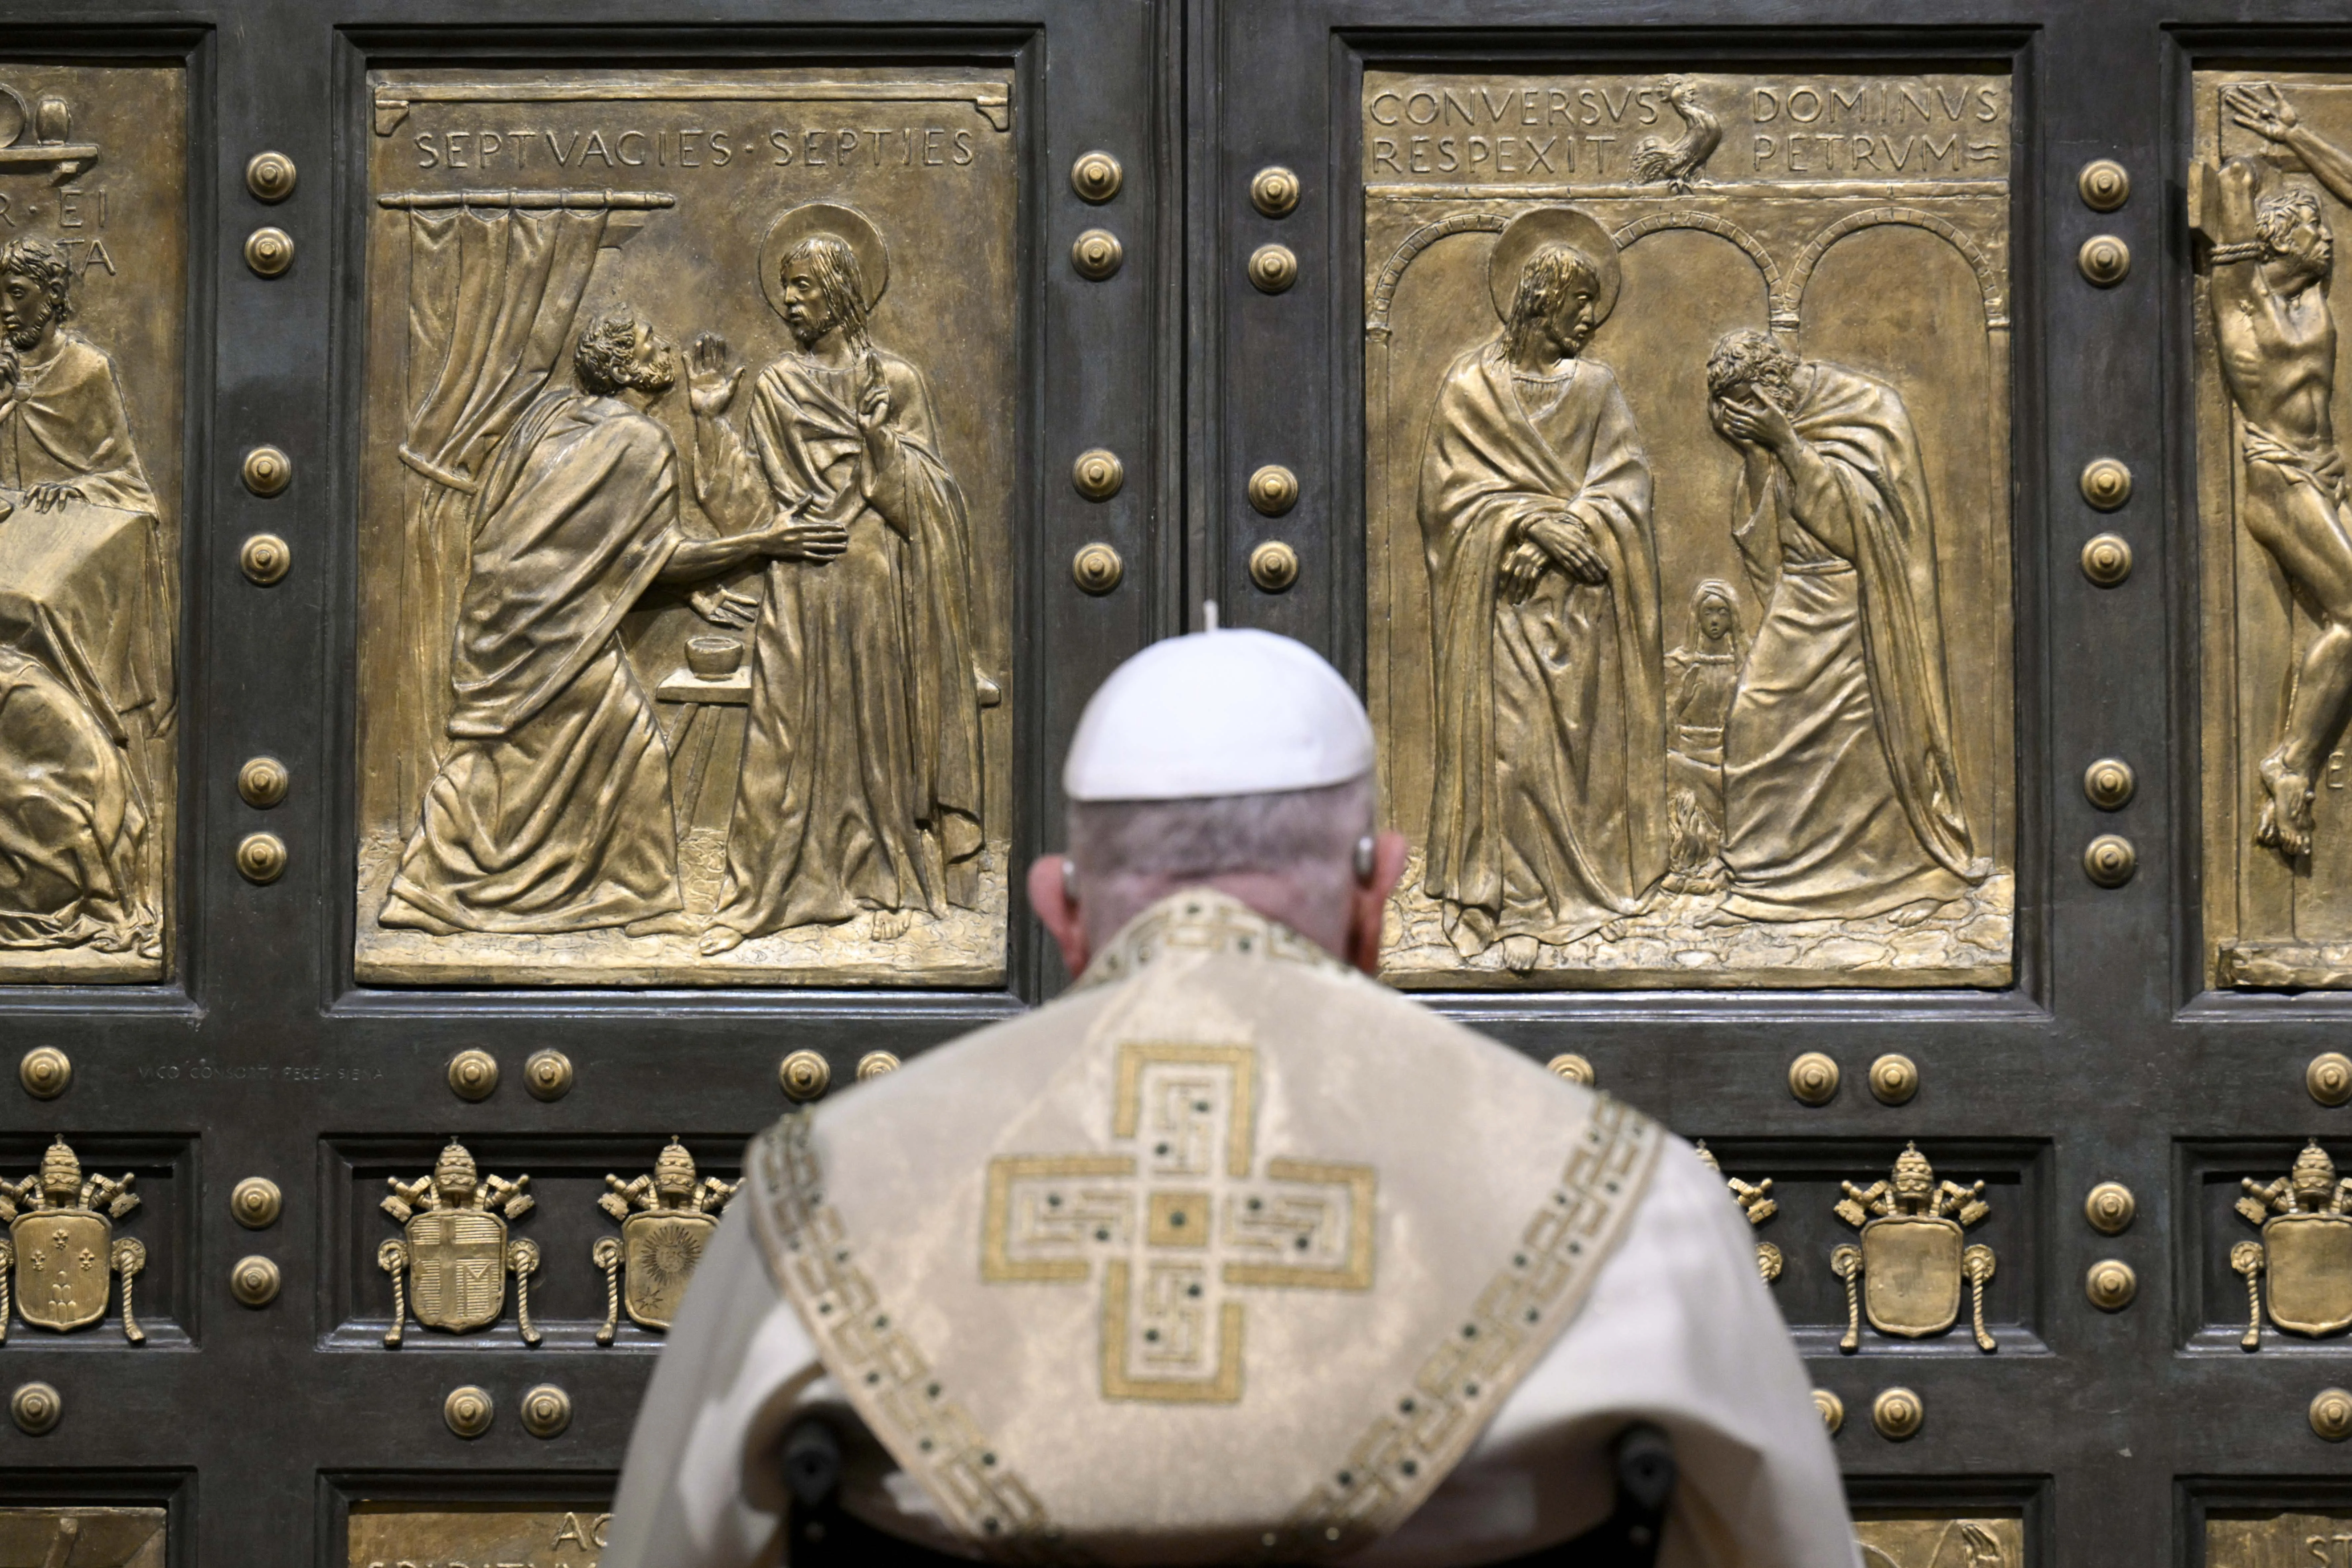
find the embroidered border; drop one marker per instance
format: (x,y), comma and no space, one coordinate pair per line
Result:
(1403,1455)
(892,1387)
(1202,920)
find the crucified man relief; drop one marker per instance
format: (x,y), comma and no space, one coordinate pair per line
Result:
(2272,259)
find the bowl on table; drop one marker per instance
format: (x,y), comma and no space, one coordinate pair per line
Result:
(714,658)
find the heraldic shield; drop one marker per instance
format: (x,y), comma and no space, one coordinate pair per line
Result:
(1907,1272)
(62,1255)
(667,1219)
(457,1268)
(2306,1249)
(658,1255)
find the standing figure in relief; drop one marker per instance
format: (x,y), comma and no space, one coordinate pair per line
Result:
(1842,797)
(1547,818)
(2277,340)
(861,781)
(553,812)
(1701,676)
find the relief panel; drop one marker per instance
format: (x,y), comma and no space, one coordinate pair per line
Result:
(2268,187)
(1688,554)
(93,280)
(685,528)
(1940,1540)
(2279,1539)
(455,1535)
(83,1537)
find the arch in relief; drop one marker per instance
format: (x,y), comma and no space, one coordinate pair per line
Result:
(1788,307)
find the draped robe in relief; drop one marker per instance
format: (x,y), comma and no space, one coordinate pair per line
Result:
(861,780)
(1548,812)
(1842,797)
(553,812)
(69,428)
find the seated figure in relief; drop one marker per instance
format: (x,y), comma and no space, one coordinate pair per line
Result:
(1547,814)
(1840,792)
(552,811)
(63,432)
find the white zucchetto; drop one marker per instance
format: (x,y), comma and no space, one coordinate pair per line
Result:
(1218,713)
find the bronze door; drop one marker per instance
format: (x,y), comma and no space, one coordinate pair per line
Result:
(1834,516)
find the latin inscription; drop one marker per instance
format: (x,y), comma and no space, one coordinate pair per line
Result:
(405,1535)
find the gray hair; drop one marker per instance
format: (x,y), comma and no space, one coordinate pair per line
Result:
(1132,853)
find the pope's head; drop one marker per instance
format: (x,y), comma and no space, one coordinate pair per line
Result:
(1235,760)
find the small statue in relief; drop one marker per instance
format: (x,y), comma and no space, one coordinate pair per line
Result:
(1702,674)
(1678,164)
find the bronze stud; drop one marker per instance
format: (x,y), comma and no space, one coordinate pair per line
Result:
(2105,260)
(2331,1414)
(1097,474)
(2103,184)
(547,1074)
(1894,1078)
(269,251)
(1832,1409)
(1275,191)
(1273,269)
(256,1202)
(1097,254)
(261,858)
(1272,491)
(265,559)
(546,1410)
(267,470)
(46,1072)
(473,1074)
(36,1407)
(2110,860)
(2108,783)
(2111,1285)
(2110,1207)
(2107,560)
(2329,1078)
(804,1075)
(254,1282)
(877,1064)
(1097,177)
(1572,1066)
(2105,483)
(1274,566)
(467,1410)
(1097,569)
(1897,1413)
(262,783)
(269,176)
(1813,1079)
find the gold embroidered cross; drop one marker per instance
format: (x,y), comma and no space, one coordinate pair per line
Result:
(1184,1213)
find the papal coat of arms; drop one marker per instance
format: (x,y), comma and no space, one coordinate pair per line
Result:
(667,1219)
(454,1255)
(62,1253)
(2306,1249)
(1912,1259)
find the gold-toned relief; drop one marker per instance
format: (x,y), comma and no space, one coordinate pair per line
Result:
(455,1535)
(2268,188)
(2305,1251)
(94,273)
(1755,1200)
(450,1265)
(685,528)
(665,1220)
(1907,1273)
(2313,1540)
(61,1255)
(1207,1222)
(1688,550)
(1939,1541)
(83,1537)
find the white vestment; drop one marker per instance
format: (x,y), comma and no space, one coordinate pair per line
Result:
(944,1240)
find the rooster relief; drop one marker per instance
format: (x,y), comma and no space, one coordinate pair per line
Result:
(1678,164)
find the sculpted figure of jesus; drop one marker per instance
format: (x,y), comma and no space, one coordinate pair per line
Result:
(2271,266)
(1547,818)
(861,783)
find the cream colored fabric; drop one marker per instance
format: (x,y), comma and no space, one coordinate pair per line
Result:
(1348,1364)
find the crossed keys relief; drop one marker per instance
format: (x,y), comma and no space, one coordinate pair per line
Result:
(1178,1219)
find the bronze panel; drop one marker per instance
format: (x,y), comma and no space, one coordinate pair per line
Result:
(740,717)
(2279,1541)
(1940,1540)
(431,1535)
(1615,701)
(83,1537)
(93,212)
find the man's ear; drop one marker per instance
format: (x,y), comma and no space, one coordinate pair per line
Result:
(1049,896)
(1369,908)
